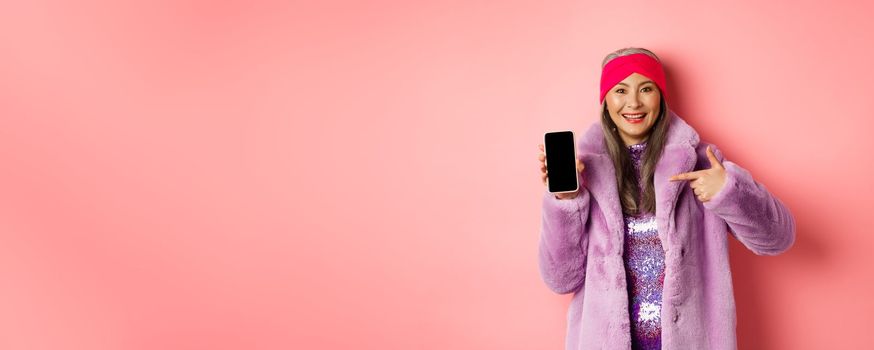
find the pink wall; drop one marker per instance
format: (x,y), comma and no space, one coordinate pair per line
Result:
(256,175)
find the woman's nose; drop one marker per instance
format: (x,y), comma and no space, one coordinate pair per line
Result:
(632,103)
(633,100)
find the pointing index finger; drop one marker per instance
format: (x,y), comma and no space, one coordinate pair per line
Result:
(687,176)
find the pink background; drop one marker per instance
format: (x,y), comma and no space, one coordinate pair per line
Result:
(263,175)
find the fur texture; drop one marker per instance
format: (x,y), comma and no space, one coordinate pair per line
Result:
(580,249)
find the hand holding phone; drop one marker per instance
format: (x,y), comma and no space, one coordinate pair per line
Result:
(559,165)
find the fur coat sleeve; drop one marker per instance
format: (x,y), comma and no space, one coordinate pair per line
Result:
(755,217)
(563,241)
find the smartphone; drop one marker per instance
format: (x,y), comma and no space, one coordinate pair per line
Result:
(561,165)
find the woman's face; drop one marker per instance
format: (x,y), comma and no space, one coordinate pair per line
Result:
(635,96)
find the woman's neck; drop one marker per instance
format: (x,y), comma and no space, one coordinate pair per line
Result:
(635,142)
(641,143)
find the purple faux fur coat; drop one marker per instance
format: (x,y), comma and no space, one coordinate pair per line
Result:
(580,247)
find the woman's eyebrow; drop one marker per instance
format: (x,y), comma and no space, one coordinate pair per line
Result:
(646,82)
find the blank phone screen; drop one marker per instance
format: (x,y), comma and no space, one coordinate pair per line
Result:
(561,164)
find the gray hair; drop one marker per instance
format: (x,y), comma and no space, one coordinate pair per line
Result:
(628,51)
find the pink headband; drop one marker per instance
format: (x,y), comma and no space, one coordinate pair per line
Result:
(621,67)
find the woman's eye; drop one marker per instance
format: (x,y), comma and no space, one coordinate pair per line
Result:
(647,88)
(620,90)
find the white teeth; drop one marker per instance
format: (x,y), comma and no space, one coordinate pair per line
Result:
(633,116)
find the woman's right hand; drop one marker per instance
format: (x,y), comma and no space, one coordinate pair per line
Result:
(543,175)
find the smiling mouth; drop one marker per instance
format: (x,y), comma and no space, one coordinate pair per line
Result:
(634,116)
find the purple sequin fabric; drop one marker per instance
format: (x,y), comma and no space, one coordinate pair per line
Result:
(644,270)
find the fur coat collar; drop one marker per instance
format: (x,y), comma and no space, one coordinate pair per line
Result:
(678,156)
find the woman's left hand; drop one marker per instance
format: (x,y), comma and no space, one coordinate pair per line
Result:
(708,182)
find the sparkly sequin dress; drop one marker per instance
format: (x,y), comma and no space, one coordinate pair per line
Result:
(644,270)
